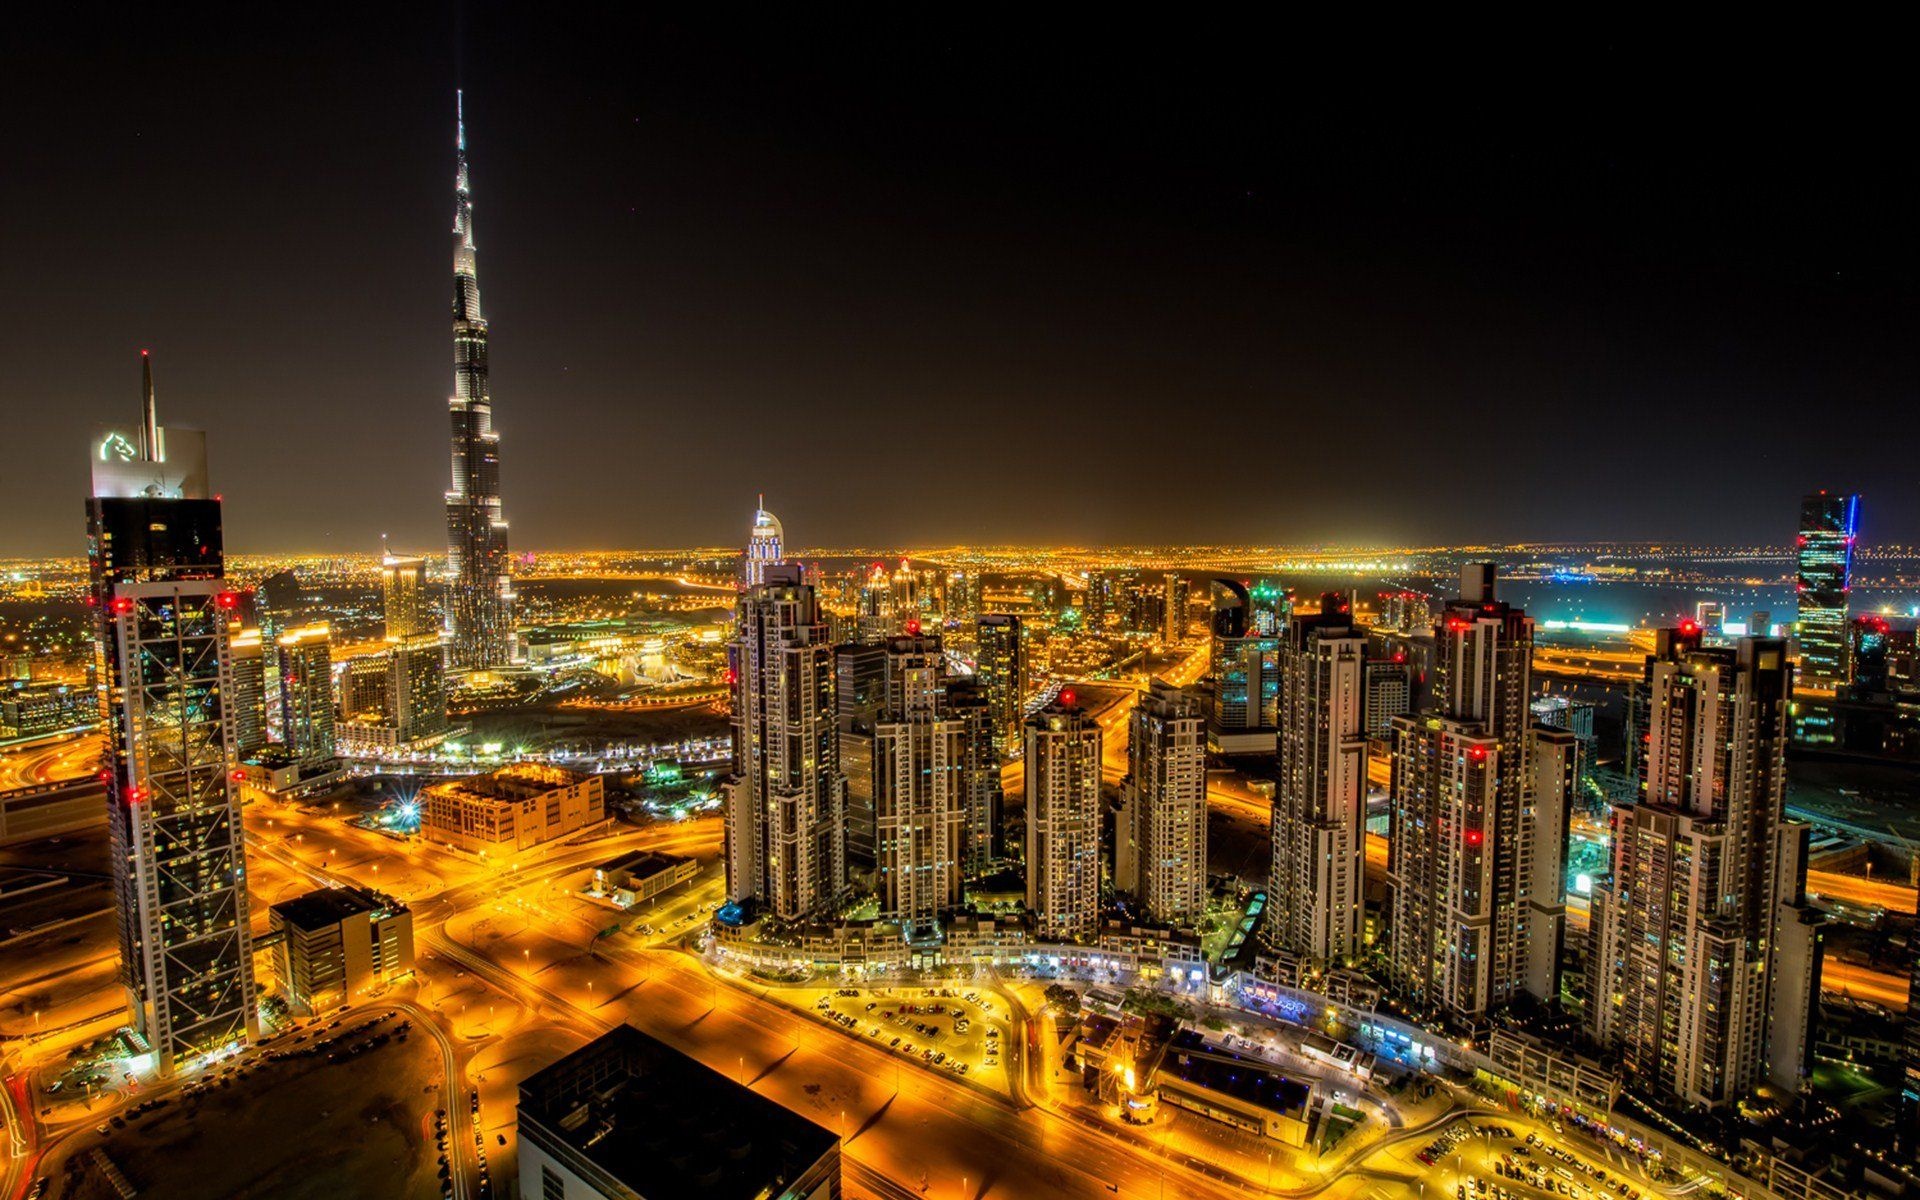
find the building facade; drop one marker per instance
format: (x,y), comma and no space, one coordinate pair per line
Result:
(1002,670)
(1244,660)
(513,809)
(786,798)
(162,614)
(480,592)
(920,789)
(1063,821)
(860,681)
(1479,811)
(1317,881)
(1703,953)
(766,546)
(306,692)
(339,943)
(1160,833)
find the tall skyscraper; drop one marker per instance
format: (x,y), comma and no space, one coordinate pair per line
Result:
(1827,524)
(306,691)
(766,545)
(1479,813)
(919,789)
(1063,821)
(981,844)
(1160,835)
(1178,589)
(1317,884)
(403,596)
(1001,663)
(162,614)
(785,800)
(860,686)
(1703,952)
(1245,664)
(249,698)
(480,596)
(278,601)
(1389,693)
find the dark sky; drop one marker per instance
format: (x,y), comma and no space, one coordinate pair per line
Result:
(975,279)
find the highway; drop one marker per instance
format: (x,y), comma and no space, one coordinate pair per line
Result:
(71,757)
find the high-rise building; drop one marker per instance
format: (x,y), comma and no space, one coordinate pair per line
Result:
(1001,660)
(338,943)
(1245,665)
(1160,834)
(249,697)
(1389,693)
(1704,955)
(766,545)
(919,789)
(162,614)
(981,840)
(1909,1137)
(1063,821)
(480,593)
(403,596)
(785,800)
(306,692)
(1479,812)
(1825,548)
(1317,884)
(860,681)
(362,694)
(417,688)
(279,602)
(1177,589)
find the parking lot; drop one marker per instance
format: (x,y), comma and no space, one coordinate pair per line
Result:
(958,1031)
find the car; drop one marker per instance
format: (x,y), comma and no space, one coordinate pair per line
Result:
(893,1044)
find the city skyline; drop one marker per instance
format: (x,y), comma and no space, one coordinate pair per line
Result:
(941,230)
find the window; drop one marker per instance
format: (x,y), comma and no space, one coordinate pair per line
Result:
(552,1187)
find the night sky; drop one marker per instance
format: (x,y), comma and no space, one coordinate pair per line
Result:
(970,280)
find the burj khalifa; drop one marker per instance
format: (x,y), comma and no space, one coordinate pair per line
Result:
(480,595)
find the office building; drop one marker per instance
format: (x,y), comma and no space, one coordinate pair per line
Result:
(36,709)
(479,592)
(306,693)
(766,546)
(1478,812)
(1825,553)
(513,809)
(1177,590)
(982,841)
(279,602)
(162,614)
(1389,693)
(1063,821)
(1316,885)
(1703,952)
(786,798)
(859,672)
(1160,833)
(1245,665)
(362,695)
(627,1117)
(338,944)
(416,689)
(403,596)
(249,698)
(919,789)
(1001,658)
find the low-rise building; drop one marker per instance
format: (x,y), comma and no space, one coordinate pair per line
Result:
(512,809)
(639,875)
(630,1118)
(34,709)
(1245,1093)
(337,943)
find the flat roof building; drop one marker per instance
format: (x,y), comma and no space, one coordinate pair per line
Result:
(627,1116)
(515,808)
(337,943)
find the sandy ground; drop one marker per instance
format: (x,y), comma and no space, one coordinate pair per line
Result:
(281,1131)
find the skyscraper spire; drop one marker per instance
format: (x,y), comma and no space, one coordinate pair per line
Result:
(480,607)
(150,448)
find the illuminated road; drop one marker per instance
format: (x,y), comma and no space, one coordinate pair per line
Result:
(75,758)
(1863,983)
(1868,893)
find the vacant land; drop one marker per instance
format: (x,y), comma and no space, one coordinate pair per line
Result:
(305,1127)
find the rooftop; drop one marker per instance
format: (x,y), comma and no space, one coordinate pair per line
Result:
(511,784)
(330,906)
(665,1125)
(642,862)
(1247,1080)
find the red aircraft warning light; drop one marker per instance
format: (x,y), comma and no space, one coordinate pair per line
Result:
(227,600)
(122,605)
(1475,837)
(1066,696)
